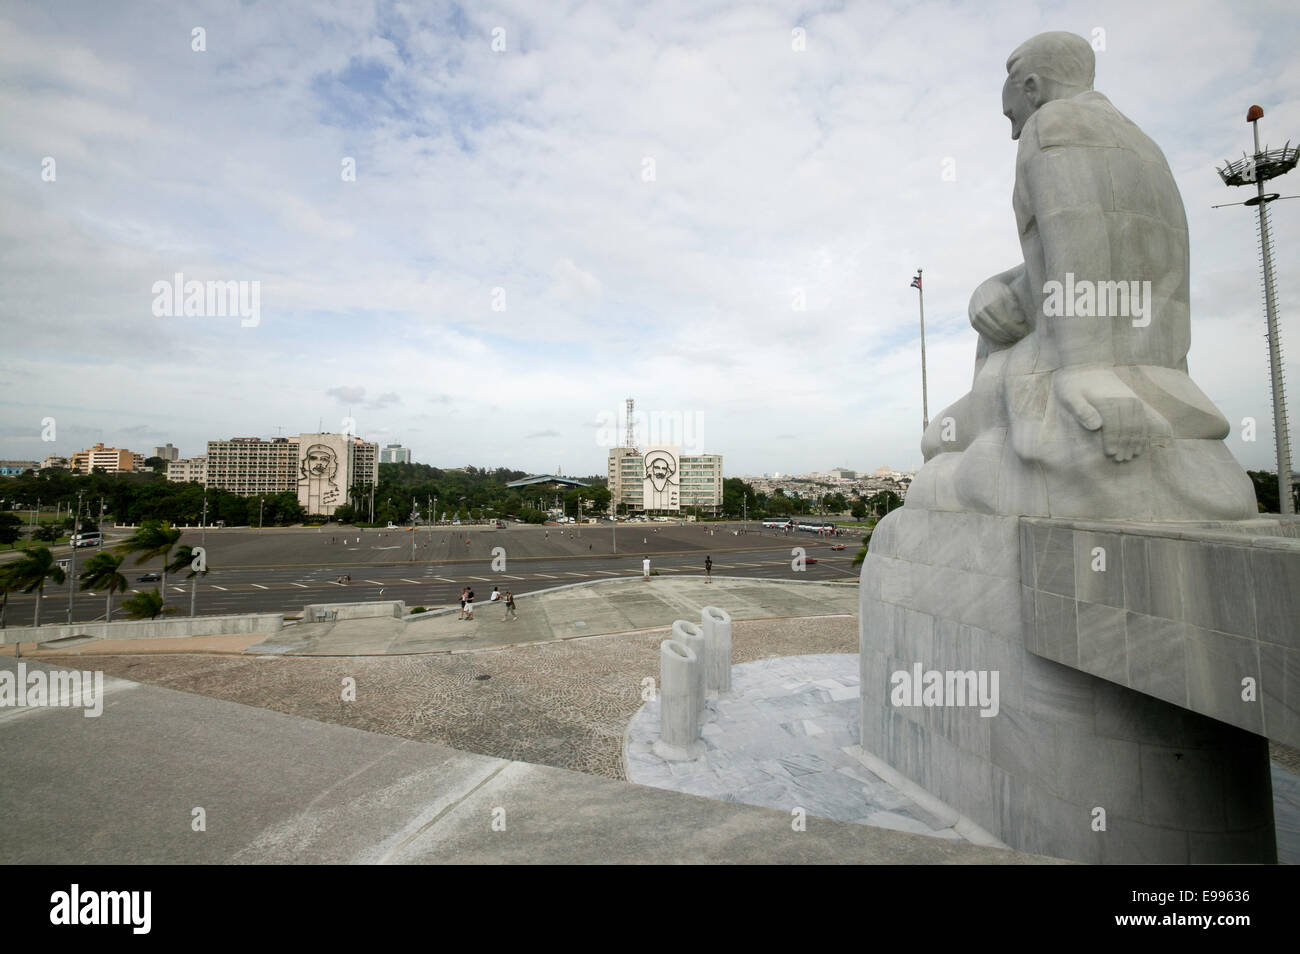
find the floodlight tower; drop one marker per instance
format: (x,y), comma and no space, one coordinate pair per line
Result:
(1264,165)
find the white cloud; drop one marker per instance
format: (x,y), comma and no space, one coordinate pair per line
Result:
(775,170)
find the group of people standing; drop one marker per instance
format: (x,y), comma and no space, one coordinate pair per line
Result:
(467,602)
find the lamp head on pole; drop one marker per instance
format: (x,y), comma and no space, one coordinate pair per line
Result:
(1254,114)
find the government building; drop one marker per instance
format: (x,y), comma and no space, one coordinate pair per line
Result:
(663,481)
(321,468)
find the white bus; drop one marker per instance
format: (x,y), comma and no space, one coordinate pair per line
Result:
(777,523)
(90,538)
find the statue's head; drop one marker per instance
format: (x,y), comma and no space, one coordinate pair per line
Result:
(1045,67)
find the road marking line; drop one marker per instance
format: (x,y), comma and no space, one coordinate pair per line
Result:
(416,582)
(376,582)
(545,576)
(444,579)
(335,582)
(509,577)
(302,585)
(135,591)
(221,588)
(178,589)
(583,575)
(610,572)
(259,586)
(481,579)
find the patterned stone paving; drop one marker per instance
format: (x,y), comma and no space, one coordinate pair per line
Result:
(564,703)
(778,740)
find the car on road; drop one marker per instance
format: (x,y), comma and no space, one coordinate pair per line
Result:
(840,546)
(808,560)
(149,577)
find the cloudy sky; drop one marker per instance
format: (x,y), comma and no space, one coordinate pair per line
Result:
(627,200)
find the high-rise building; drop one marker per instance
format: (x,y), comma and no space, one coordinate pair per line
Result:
(16,468)
(322,468)
(252,466)
(112,460)
(185,470)
(167,452)
(661,480)
(395,454)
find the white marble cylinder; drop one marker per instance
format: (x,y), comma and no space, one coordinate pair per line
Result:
(716,624)
(678,717)
(692,637)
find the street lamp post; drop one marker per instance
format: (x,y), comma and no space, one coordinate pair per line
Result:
(1264,165)
(72,569)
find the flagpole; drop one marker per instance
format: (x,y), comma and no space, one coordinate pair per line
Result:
(925,400)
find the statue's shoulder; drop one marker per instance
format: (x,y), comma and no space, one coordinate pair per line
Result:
(1088,119)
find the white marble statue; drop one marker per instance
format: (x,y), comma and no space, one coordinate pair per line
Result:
(1081,404)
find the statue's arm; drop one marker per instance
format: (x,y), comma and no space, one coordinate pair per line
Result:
(1069,189)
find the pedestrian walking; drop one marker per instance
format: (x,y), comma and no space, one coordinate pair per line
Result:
(469,604)
(708,569)
(510,607)
(463,591)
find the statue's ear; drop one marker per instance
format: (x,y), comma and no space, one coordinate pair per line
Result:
(1033,88)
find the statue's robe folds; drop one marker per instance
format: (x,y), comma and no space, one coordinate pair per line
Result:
(1094,197)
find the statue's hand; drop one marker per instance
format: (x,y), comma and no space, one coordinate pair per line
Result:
(1097,398)
(996,314)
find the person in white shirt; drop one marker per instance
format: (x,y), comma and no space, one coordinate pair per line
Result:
(496,594)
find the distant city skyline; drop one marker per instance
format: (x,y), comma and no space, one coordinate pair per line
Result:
(482,253)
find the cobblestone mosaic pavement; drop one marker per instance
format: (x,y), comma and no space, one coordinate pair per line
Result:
(564,703)
(778,739)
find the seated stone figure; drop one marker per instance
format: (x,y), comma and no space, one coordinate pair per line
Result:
(1081,404)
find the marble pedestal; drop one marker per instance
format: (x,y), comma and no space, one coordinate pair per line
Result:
(1071,764)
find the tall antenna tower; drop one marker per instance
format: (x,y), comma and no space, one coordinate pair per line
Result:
(1255,170)
(630,440)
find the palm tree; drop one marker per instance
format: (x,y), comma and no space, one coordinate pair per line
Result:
(153,539)
(862,554)
(185,558)
(145,605)
(6,584)
(101,573)
(30,573)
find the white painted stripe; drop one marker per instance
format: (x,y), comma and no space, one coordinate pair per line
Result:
(221,588)
(303,586)
(544,576)
(259,586)
(335,582)
(606,572)
(135,591)
(444,579)
(481,579)
(583,575)
(416,582)
(509,577)
(376,582)
(178,589)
